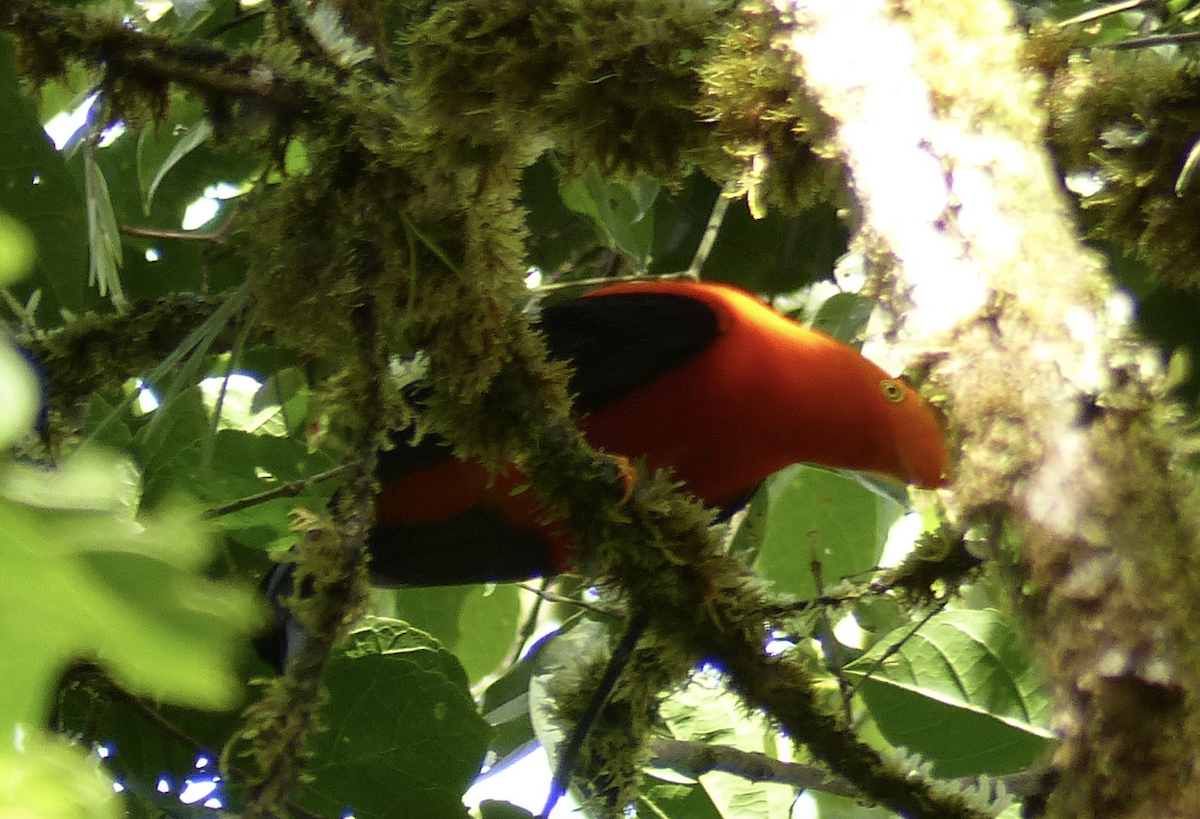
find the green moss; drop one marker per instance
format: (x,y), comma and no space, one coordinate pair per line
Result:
(939,566)
(1133,119)
(613,84)
(760,112)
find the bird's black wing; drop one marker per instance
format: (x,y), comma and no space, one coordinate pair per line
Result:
(622,342)
(616,344)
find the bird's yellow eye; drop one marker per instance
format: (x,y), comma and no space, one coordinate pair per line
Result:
(892,390)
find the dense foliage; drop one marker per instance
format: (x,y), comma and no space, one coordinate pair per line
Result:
(391,188)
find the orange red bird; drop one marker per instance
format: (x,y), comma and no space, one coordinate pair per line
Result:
(700,377)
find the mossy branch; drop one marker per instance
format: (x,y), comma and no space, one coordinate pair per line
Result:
(1127,125)
(1069,436)
(100,352)
(697,758)
(135,60)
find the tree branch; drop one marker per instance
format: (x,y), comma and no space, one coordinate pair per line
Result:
(1067,431)
(288,490)
(695,759)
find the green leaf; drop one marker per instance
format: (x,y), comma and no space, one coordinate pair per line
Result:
(170,445)
(243,464)
(100,415)
(680,221)
(568,655)
(185,140)
(404,736)
(17,250)
(295,159)
(22,396)
(844,316)
(677,799)
(620,211)
(104,237)
(436,610)
(129,164)
(778,253)
(238,399)
(142,746)
(287,389)
(91,481)
(263,462)
(492,809)
(43,777)
(831,806)
(557,233)
(127,593)
(188,9)
(813,514)
(707,711)
(961,692)
(488,626)
(506,702)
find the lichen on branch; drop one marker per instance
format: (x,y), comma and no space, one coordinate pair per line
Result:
(1069,436)
(1125,126)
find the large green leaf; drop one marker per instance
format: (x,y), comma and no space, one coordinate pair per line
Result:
(436,610)
(816,515)
(960,691)
(678,800)
(145,742)
(572,654)
(244,459)
(843,316)
(404,737)
(557,233)
(487,628)
(680,221)
(158,628)
(506,702)
(101,584)
(17,249)
(489,809)
(706,711)
(776,254)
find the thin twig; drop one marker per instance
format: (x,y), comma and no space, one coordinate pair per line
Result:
(601,280)
(288,490)
(1105,11)
(893,649)
(715,219)
(696,758)
(834,648)
(1153,40)
(527,630)
(551,597)
(219,235)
